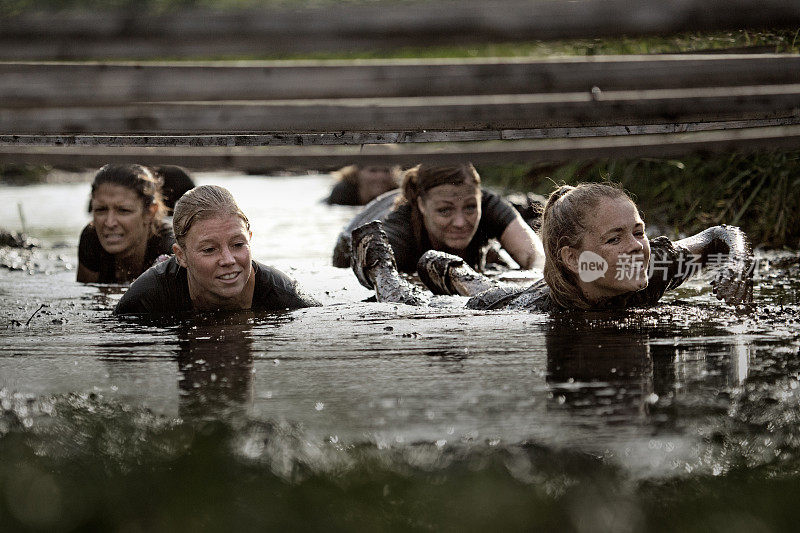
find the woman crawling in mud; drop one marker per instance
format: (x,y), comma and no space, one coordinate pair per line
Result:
(128,232)
(597,256)
(445,209)
(212,268)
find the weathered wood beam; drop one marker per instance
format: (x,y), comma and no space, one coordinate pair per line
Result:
(606,108)
(198,33)
(551,150)
(90,84)
(359,138)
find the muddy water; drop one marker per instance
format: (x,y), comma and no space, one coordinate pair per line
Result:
(364,415)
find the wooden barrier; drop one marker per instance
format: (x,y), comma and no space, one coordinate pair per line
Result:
(284,113)
(69,84)
(361,138)
(385,25)
(419,113)
(303,157)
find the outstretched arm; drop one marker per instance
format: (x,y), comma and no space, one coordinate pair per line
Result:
(522,243)
(728,248)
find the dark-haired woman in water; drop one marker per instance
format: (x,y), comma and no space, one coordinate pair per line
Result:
(127,232)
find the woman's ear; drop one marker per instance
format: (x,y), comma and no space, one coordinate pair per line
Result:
(569,256)
(179,255)
(420,205)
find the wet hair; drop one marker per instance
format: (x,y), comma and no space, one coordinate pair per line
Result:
(201,203)
(174,182)
(418,180)
(137,178)
(563,225)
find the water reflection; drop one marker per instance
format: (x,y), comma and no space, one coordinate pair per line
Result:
(607,371)
(215,364)
(617,371)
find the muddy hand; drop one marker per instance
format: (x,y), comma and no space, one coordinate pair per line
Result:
(734,280)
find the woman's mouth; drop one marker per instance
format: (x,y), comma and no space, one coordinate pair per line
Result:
(113,237)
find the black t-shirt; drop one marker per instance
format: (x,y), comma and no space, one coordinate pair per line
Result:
(164,289)
(93,256)
(344,193)
(668,269)
(496,215)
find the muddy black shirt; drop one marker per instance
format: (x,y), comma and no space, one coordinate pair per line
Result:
(496,215)
(669,267)
(344,193)
(164,289)
(93,256)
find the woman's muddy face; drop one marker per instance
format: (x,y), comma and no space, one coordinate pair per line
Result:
(374,181)
(216,255)
(451,214)
(120,219)
(615,233)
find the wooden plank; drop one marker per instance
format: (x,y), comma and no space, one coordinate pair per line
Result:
(607,108)
(551,150)
(198,33)
(359,138)
(62,84)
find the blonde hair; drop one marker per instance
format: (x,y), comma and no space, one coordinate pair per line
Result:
(201,203)
(563,225)
(418,180)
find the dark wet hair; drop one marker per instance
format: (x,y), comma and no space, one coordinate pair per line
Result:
(137,178)
(418,180)
(174,182)
(563,225)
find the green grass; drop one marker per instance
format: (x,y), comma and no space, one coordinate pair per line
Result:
(755,191)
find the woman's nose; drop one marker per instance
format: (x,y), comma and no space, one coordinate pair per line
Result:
(635,245)
(227,256)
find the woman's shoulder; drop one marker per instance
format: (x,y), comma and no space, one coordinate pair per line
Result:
(343,193)
(160,289)
(277,290)
(497,213)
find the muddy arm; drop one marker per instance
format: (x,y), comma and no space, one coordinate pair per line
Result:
(728,248)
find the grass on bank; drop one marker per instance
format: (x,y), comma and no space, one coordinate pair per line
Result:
(757,192)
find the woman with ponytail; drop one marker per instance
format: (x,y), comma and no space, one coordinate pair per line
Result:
(597,256)
(445,209)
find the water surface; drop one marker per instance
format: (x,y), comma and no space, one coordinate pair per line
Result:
(360,415)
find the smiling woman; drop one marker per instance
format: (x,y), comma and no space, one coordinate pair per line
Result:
(597,257)
(212,268)
(445,209)
(127,232)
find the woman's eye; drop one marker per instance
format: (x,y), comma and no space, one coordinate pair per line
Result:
(207,250)
(444,212)
(238,244)
(612,240)
(639,234)
(100,209)
(470,208)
